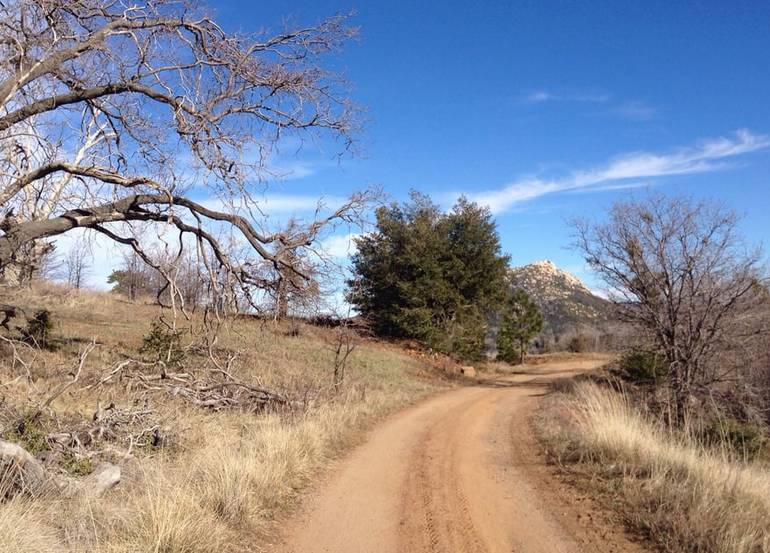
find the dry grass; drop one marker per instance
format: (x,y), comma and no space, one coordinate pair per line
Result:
(24,528)
(229,475)
(682,496)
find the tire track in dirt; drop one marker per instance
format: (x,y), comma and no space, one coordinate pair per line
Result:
(457,473)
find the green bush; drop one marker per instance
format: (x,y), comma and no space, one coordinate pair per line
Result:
(77,466)
(743,438)
(29,434)
(163,344)
(38,329)
(643,367)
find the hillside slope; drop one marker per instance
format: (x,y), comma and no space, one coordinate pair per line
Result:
(206,462)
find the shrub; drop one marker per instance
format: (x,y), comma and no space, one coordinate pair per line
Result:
(643,367)
(29,434)
(579,344)
(77,466)
(163,344)
(38,329)
(743,438)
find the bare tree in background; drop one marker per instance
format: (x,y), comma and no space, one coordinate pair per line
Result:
(134,278)
(345,341)
(77,264)
(291,292)
(114,116)
(679,270)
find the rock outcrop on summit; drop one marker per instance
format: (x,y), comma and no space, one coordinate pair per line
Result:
(568,305)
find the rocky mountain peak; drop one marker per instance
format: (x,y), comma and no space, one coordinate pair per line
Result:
(566,302)
(549,281)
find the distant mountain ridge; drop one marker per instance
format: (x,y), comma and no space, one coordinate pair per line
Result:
(567,304)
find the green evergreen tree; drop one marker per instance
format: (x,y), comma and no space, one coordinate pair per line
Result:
(521,321)
(429,275)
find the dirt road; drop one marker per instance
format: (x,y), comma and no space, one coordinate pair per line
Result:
(457,473)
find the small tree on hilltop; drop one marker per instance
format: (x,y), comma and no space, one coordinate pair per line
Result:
(78,263)
(521,321)
(133,279)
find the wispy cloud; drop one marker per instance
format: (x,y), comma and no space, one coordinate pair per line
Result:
(706,156)
(294,169)
(282,205)
(603,104)
(297,203)
(611,186)
(542,96)
(634,110)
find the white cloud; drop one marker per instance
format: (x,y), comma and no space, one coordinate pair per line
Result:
(339,245)
(292,170)
(541,96)
(610,187)
(604,104)
(706,156)
(294,203)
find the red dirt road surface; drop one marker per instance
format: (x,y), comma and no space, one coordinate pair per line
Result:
(458,473)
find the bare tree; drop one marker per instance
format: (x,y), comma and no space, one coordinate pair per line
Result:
(291,292)
(679,270)
(134,278)
(78,263)
(114,116)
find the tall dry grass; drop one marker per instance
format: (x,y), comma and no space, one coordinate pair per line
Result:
(229,474)
(221,495)
(226,493)
(683,496)
(24,528)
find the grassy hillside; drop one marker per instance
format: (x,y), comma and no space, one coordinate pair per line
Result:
(195,479)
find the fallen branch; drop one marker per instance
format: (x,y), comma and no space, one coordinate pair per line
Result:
(218,388)
(67,385)
(21,473)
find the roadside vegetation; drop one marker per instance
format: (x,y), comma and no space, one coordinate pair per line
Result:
(671,487)
(194,478)
(186,410)
(674,435)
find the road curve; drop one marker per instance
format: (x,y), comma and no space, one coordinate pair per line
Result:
(457,473)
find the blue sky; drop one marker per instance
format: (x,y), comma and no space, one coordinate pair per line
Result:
(545,110)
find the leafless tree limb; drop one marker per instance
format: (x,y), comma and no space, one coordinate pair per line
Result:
(113,114)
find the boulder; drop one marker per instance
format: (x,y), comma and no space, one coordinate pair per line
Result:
(19,470)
